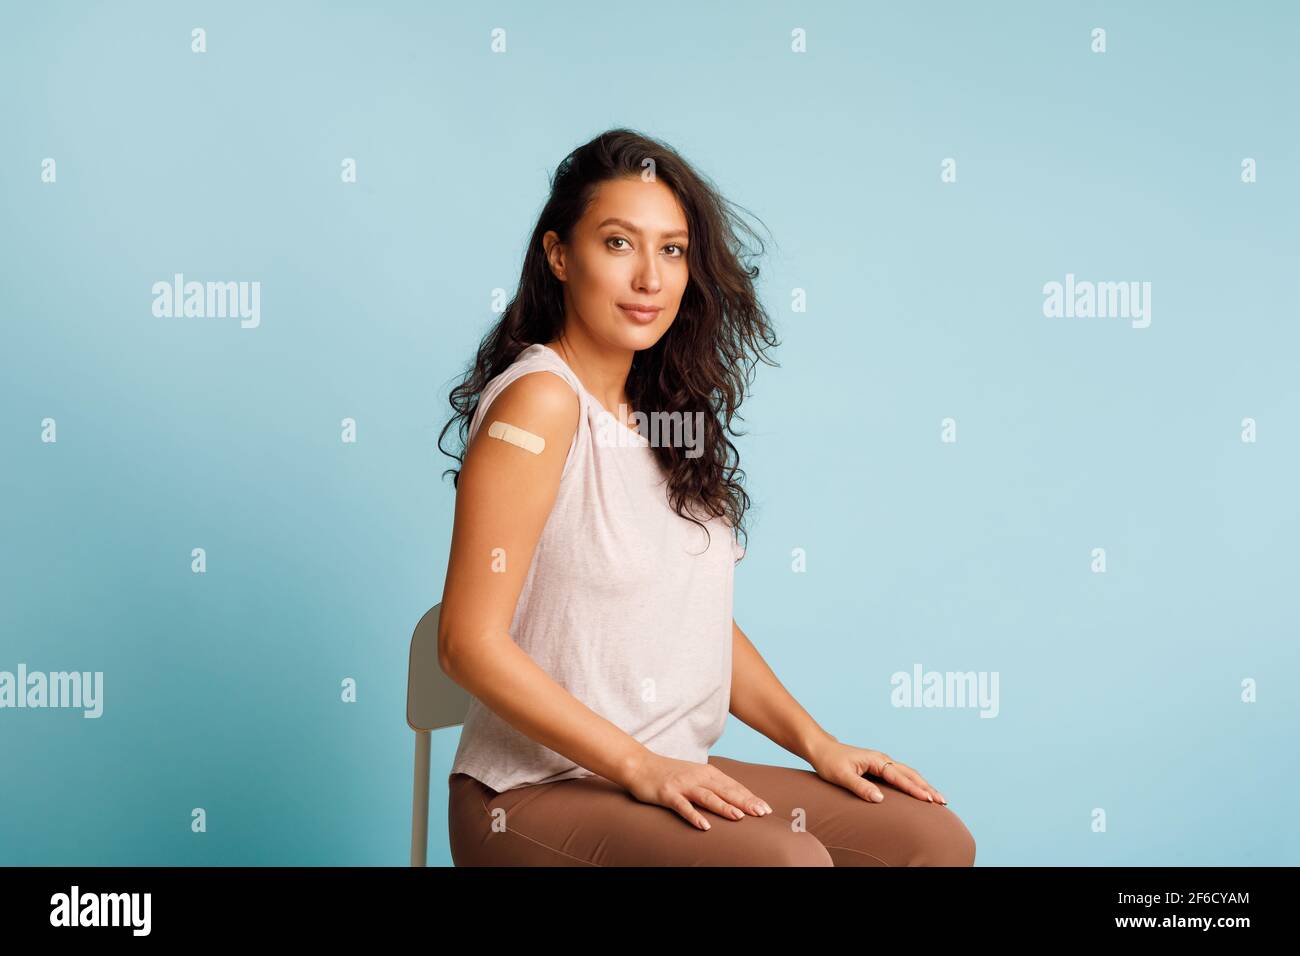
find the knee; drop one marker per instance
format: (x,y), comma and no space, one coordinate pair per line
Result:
(922,836)
(804,850)
(947,843)
(784,847)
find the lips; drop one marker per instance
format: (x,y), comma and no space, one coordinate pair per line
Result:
(637,313)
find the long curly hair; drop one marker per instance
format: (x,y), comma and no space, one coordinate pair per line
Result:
(706,358)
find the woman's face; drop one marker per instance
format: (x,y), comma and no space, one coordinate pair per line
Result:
(629,249)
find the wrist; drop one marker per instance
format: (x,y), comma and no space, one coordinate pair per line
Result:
(816,743)
(630,763)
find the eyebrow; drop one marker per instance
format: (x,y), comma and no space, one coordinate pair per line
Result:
(614,221)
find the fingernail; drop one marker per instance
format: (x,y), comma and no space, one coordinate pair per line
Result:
(878,796)
(929,796)
(706,824)
(767,809)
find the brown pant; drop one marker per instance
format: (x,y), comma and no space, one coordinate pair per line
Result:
(591,821)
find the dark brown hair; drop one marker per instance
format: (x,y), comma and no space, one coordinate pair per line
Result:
(696,365)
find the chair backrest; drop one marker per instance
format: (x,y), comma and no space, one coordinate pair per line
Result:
(433,699)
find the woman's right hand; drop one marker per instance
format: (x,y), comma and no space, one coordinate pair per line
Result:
(679,784)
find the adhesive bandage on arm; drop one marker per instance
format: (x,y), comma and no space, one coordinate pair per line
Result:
(517,436)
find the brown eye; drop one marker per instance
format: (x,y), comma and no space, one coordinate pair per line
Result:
(615,239)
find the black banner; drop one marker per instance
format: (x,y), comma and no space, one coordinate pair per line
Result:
(240,904)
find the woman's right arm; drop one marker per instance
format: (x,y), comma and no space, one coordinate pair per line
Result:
(504,496)
(503,499)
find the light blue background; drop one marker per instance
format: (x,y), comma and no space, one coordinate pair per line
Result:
(1118,691)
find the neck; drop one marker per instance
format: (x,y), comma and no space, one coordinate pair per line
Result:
(603,371)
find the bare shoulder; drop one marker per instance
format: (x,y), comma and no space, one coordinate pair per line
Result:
(541,403)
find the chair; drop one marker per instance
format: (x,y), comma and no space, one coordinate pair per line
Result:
(433,700)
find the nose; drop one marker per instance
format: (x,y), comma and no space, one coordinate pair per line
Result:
(647,274)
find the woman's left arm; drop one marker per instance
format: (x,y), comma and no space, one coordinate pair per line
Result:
(762,702)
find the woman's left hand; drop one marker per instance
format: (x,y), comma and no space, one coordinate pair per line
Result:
(844,765)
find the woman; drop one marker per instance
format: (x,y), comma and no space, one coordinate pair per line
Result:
(588,601)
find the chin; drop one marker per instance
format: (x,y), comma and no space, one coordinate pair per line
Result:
(636,339)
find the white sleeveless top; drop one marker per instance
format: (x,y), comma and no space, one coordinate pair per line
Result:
(622,604)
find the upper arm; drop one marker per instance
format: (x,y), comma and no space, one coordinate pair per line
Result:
(504,496)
